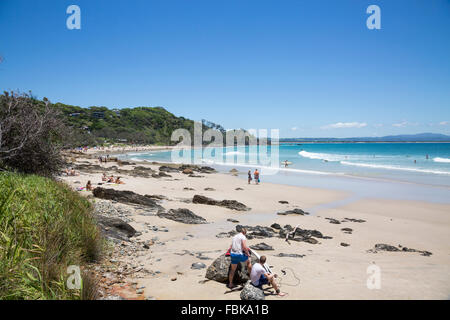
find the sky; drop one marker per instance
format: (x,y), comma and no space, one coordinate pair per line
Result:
(308,68)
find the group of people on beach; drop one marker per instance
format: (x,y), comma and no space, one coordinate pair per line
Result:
(255,175)
(111,179)
(71,172)
(259,275)
(103,158)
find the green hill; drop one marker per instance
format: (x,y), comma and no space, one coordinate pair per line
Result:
(145,125)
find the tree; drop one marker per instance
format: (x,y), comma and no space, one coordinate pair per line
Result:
(31,135)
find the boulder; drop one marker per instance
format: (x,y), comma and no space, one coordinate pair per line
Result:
(125,197)
(218,270)
(250,292)
(230,204)
(385,247)
(188,171)
(183,216)
(275,226)
(115,228)
(283,202)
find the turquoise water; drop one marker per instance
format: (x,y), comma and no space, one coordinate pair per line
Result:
(392,168)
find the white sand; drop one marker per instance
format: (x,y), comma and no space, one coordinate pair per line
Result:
(328,271)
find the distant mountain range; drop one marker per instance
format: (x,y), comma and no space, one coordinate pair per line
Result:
(420,137)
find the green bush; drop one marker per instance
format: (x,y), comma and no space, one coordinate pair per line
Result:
(44,228)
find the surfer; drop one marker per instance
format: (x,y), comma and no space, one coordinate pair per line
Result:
(285,163)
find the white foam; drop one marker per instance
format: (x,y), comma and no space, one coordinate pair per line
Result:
(388,167)
(322,156)
(444,160)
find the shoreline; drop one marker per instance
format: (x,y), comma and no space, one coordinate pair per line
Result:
(327,270)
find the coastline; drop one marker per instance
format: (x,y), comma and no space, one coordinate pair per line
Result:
(328,270)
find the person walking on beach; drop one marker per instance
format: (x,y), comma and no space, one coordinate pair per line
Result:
(239,252)
(249,176)
(256,175)
(260,276)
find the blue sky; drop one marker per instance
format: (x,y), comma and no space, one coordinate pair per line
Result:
(308,68)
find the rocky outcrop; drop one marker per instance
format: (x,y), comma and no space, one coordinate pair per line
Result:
(283,202)
(126,197)
(183,216)
(387,247)
(230,204)
(218,270)
(250,292)
(261,247)
(115,228)
(293,211)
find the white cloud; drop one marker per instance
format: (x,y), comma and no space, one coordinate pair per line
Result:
(404,124)
(340,125)
(294,128)
(444,123)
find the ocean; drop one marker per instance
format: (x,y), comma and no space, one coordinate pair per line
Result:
(396,167)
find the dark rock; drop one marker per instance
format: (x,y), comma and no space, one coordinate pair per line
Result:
(195,176)
(125,197)
(347,230)
(293,211)
(257,232)
(218,270)
(230,204)
(334,221)
(198,265)
(206,169)
(233,220)
(209,189)
(238,189)
(276,226)
(354,220)
(168,169)
(115,228)
(156,196)
(226,234)
(163,174)
(250,292)
(283,202)
(385,247)
(290,255)
(188,189)
(261,246)
(182,215)
(344,244)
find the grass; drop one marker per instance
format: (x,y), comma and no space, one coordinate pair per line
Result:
(44,228)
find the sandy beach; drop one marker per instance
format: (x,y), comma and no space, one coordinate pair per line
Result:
(326,270)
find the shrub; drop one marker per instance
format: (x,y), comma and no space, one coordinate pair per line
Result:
(44,228)
(31,135)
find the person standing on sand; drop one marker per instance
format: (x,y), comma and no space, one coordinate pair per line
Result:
(260,276)
(249,176)
(239,252)
(256,175)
